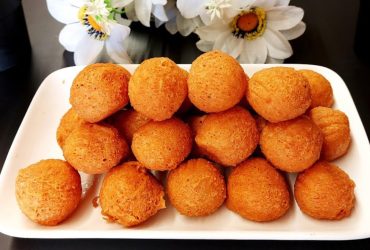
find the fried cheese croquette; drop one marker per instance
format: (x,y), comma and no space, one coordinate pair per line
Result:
(324,191)
(157,88)
(321,91)
(334,125)
(99,90)
(95,148)
(128,122)
(196,188)
(68,123)
(162,145)
(216,82)
(48,192)
(257,191)
(130,195)
(293,145)
(279,93)
(228,137)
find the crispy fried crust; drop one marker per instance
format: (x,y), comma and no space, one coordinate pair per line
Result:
(324,191)
(157,88)
(48,191)
(68,123)
(334,125)
(216,82)
(196,188)
(99,90)
(292,145)
(228,137)
(95,148)
(279,93)
(162,145)
(257,191)
(321,91)
(130,195)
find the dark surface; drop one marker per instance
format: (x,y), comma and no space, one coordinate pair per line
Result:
(329,41)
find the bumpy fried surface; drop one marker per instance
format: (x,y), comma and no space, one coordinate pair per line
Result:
(257,191)
(216,82)
(95,148)
(279,93)
(324,191)
(228,137)
(48,191)
(334,125)
(68,123)
(99,90)
(157,88)
(321,91)
(128,122)
(162,145)
(130,195)
(292,145)
(196,188)
(195,122)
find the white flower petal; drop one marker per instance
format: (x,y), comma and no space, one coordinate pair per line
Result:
(160,2)
(233,46)
(123,21)
(241,4)
(158,22)
(115,44)
(62,11)
(277,45)
(207,18)
(266,4)
(294,32)
(120,3)
(211,32)
(254,51)
(130,12)
(143,9)
(190,8)
(158,12)
(171,26)
(220,41)
(283,18)
(282,2)
(204,45)
(185,26)
(274,60)
(70,35)
(88,50)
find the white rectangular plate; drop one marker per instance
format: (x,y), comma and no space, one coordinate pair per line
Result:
(35,140)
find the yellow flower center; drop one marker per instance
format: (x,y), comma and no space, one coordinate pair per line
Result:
(249,24)
(93,28)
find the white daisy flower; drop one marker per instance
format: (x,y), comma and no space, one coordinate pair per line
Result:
(142,10)
(177,23)
(91,26)
(257,33)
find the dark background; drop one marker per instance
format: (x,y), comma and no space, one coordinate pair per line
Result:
(335,38)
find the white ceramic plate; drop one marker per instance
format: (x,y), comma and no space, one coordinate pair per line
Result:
(35,140)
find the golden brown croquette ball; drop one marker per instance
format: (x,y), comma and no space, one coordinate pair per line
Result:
(334,125)
(128,122)
(130,195)
(157,88)
(95,148)
(257,191)
(68,123)
(279,93)
(196,188)
(292,145)
(216,82)
(321,91)
(48,192)
(228,137)
(324,191)
(99,90)
(162,145)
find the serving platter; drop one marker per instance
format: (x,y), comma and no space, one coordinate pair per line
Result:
(35,140)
